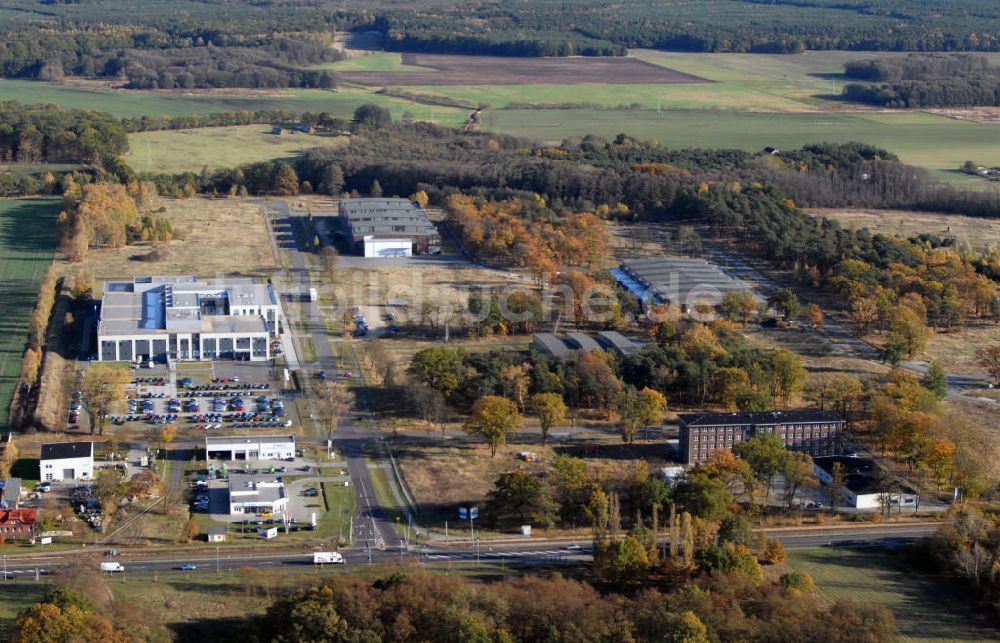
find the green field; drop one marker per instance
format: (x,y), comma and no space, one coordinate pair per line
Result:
(189,150)
(133,104)
(926,608)
(934,142)
(15,597)
(27,242)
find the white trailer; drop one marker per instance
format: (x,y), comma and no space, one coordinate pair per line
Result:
(328,558)
(112,567)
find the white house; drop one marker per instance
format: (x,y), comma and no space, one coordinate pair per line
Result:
(256,495)
(250,447)
(863,487)
(66,461)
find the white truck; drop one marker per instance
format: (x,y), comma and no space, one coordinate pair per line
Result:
(327,557)
(112,567)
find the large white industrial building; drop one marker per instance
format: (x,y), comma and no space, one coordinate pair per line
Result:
(182,318)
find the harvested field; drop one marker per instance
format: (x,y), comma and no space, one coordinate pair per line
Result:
(490,70)
(977,232)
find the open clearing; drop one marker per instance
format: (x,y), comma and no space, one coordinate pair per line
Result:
(27,243)
(224,236)
(493,70)
(977,232)
(190,150)
(927,608)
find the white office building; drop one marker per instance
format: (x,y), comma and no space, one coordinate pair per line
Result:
(250,447)
(182,318)
(66,461)
(256,495)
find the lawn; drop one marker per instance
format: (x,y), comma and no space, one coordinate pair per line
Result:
(926,608)
(27,243)
(175,151)
(935,142)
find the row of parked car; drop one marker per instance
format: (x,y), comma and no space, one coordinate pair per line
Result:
(74,407)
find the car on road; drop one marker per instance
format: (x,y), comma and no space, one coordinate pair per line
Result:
(188,567)
(321,375)
(573,547)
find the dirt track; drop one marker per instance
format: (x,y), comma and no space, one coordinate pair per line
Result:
(492,70)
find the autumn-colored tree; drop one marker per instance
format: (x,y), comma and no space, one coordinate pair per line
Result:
(493,417)
(739,306)
(103,391)
(774,552)
(598,384)
(813,315)
(517,378)
(550,409)
(332,399)
(907,332)
(31,362)
(787,374)
(420,198)
(864,313)
(652,406)
(727,383)
(989,359)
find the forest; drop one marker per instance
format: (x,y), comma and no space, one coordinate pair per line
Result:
(168,43)
(927,80)
(48,134)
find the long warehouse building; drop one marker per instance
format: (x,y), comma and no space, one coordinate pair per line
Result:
(679,281)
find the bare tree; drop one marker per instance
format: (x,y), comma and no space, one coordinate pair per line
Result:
(332,399)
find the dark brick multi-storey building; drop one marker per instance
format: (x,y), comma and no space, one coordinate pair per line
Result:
(809,430)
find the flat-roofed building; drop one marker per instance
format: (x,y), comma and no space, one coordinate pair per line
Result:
(180,317)
(863,484)
(382,227)
(11,496)
(249,447)
(813,431)
(256,495)
(680,281)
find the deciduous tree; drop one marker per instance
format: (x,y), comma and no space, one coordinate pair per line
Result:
(493,417)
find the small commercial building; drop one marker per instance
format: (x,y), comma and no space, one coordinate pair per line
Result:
(379,227)
(217,534)
(255,495)
(10,497)
(180,317)
(66,461)
(863,484)
(17,524)
(813,431)
(250,447)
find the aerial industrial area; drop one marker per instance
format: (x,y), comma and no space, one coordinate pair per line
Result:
(544,322)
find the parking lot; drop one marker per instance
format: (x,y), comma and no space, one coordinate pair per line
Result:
(207,397)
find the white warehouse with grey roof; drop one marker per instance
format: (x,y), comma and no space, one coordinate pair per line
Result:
(179,317)
(380,227)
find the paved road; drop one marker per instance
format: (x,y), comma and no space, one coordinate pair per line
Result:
(528,552)
(371,526)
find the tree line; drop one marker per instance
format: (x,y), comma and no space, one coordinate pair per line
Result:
(928,80)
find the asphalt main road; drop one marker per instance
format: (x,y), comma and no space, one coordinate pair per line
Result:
(526,552)
(371,526)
